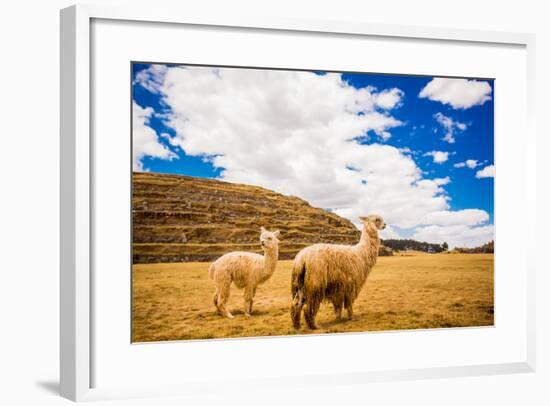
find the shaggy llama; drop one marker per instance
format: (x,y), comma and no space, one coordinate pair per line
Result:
(335,273)
(246,270)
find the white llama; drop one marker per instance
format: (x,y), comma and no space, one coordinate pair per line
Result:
(335,273)
(246,270)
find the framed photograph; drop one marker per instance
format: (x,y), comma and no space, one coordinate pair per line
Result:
(307,202)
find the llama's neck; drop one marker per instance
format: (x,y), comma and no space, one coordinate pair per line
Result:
(271,255)
(369,244)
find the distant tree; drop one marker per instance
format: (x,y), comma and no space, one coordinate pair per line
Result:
(384,251)
(445,246)
(403,245)
(488,248)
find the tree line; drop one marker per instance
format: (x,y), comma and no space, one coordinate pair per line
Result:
(488,248)
(404,245)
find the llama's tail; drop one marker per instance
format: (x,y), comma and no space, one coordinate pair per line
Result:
(297,290)
(211,271)
(298,275)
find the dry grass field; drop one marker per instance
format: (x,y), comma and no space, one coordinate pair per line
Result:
(173,301)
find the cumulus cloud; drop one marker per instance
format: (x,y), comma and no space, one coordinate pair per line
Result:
(151,78)
(145,139)
(458,93)
(470,163)
(389,234)
(456,235)
(385,135)
(302,134)
(468,217)
(450,126)
(389,99)
(438,156)
(487,172)
(442,181)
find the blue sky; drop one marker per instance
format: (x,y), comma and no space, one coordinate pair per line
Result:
(476,142)
(418,150)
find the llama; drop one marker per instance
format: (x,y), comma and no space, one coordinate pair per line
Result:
(334,273)
(246,270)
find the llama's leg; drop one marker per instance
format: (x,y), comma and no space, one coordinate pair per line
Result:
(296,309)
(348,303)
(215,299)
(248,298)
(252,300)
(310,311)
(338,304)
(223,297)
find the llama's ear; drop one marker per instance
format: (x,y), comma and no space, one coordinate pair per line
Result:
(276,233)
(364,219)
(263,230)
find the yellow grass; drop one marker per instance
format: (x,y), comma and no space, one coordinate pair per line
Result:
(409,291)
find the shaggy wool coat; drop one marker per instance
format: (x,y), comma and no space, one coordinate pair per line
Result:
(334,273)
(246,270)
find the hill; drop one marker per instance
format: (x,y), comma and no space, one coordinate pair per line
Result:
(181,218)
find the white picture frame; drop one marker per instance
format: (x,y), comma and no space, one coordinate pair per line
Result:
(77,354)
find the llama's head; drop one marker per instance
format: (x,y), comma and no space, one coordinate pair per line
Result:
(375,220)
(269,239)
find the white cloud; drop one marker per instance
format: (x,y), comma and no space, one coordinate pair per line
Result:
(151,78)
(458,93)
(385,135)
(461,228)
(442,181)
(456,235)
(438,156)
(389,234)
(450,126)
(296,133)
(145,140)
(469,217)
(487,172)
(389,99)
(470,163)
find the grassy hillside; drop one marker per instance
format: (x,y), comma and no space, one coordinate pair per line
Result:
(405,291)
(182,219)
